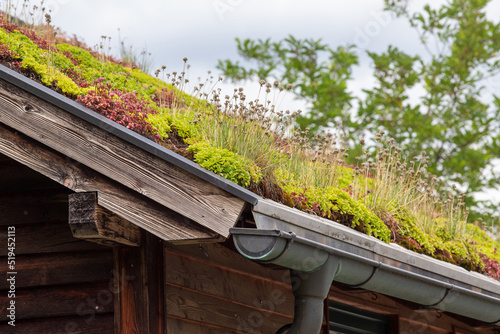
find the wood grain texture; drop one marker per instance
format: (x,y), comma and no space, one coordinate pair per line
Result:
(85,300)
(139,289)
(138,170)
(406,317)
(101,324)
(226,283)
(45,238)
(178,325)
(207,309)
(115,197)
(221,256)
(90,221)
(60,268)
(34,207)
(212,289)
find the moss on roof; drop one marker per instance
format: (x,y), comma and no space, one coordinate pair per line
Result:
(256,146)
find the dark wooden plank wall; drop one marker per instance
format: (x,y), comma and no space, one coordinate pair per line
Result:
(63,285)
(212,289)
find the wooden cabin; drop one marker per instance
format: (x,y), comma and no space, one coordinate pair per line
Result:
(103,231)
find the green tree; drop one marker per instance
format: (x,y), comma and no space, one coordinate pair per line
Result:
(455,119)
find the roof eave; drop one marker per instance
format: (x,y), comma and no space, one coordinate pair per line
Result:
(387,268)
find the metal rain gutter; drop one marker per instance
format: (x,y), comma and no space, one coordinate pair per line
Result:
(308,244)
(122,132)
(312,270)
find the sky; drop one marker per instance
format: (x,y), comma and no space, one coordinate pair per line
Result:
(204,31)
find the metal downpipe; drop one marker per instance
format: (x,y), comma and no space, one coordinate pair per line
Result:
(310,291)
(311,272)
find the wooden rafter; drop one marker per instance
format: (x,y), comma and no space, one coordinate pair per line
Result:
(90,221)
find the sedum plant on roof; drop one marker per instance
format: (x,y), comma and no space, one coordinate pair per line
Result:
(252,143)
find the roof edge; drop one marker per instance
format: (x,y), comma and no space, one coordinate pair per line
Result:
(303,255)
(270,215)
(125,134)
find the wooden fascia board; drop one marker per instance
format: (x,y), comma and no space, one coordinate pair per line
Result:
(132,206)
(97,148)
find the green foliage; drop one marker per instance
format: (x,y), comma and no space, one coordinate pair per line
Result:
(41,61)
(166,120)
(455,121)
(225,163)
(336,204)
(485,244)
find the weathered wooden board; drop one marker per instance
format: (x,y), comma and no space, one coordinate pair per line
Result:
(82,299)
(127,203)
(177,325)
(212,289)
(227,283)
(100,150)
(46,237)
(90,221)
(34,207)
(60,268)
(206,309)
(15,178)
(101,324)
(139,307)
(221,256)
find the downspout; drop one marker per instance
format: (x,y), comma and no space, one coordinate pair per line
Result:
(311,272)
(314,266)
(310,291)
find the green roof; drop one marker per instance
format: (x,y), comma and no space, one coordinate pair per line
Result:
(251,143)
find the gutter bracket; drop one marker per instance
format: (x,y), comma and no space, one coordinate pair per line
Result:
(288,244)
(375,270)
(442,299)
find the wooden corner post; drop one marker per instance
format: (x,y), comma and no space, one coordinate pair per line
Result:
(139,287)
